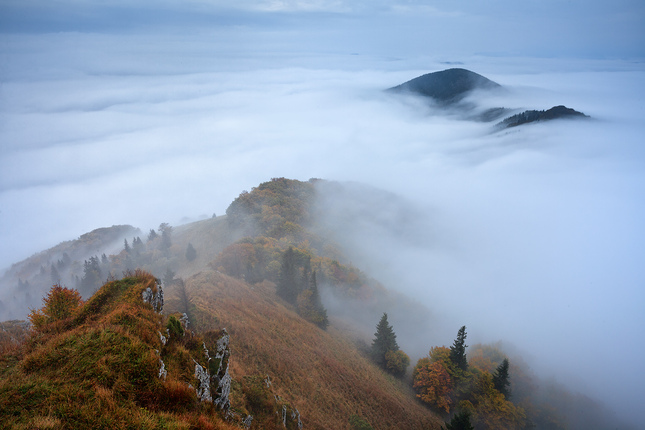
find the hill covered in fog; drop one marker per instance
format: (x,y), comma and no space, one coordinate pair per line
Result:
(296,361)
(447,86)
(458,90)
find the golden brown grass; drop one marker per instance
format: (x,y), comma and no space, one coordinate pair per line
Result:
(98,368)
(319,372)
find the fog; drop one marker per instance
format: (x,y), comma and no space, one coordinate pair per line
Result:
(139,114)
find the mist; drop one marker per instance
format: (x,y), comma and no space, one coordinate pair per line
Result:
(534,235)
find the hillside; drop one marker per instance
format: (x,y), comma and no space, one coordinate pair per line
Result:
(105,364)
(115,361)
(446,86)
(448,90)
(529,116)
(320,372)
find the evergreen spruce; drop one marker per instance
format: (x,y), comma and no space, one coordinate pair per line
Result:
(91,275)
(168,277)
(55,276)
(126,247)
(501,379)
(458,350)
(384,341)
(166,241)
(191,254)
(288,287)
(460,421)
(320,313)
(152,235)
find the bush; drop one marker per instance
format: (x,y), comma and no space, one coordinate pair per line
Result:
(60,303)
(359,423)
(396,362)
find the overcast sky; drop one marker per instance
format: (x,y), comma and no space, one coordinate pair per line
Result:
(144,112)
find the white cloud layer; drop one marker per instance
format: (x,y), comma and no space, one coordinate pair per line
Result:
(537,233)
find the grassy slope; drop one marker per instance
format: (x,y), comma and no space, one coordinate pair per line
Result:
(99,368)
(321,373)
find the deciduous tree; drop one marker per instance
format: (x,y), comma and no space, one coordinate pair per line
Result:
(432,383)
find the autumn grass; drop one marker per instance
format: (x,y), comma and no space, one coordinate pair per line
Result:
(319,372)
(99,369)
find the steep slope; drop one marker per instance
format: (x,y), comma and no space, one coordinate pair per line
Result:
(447,86)
(320,372)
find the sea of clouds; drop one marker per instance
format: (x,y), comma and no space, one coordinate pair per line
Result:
(532,235)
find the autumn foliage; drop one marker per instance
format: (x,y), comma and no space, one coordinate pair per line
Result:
(60,303)
(432,380)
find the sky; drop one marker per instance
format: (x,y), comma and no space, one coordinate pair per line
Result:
(145,112)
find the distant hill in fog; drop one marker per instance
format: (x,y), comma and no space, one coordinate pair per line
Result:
(528,116)
(448,89)
(447,86)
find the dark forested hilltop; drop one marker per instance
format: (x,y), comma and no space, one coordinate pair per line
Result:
(528,116)
(446,86)
(448,90)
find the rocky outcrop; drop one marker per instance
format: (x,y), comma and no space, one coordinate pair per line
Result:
(221,379)
(204,387)
(155,298)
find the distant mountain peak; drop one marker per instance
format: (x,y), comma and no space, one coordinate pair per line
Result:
(447,86)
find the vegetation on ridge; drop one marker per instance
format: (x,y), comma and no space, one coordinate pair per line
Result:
(103,363)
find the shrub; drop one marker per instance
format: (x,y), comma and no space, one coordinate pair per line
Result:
(396,362)
(60,303)
(358,423)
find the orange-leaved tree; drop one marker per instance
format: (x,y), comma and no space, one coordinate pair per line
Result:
(432,379)
(60,303)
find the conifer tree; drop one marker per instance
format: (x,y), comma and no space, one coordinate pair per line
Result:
(458,350)
(166,241)
(460,421)
(384,341)
(55,276)
(91,275)
(191,254)
(501,379)
(168,277)
(126,247)
(287,287)
(310,306)
(152,235)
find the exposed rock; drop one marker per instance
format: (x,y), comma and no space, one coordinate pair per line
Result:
(295,417)
(284,416)
(247,421)
(221,378)
(204,388)
(184,321)
(155,299)
(164,339)
(163,373)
